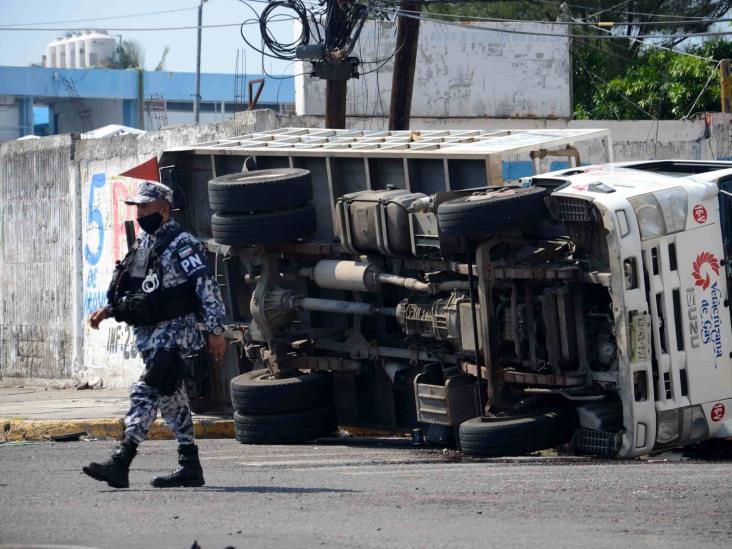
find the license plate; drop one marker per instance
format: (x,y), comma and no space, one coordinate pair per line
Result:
(640,337)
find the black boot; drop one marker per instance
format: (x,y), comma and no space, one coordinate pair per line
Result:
(190,473)
(114,471)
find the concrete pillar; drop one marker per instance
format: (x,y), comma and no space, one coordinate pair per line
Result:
(129,113)
(25,115)
(51,119)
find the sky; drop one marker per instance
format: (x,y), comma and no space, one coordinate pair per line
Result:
(219,45)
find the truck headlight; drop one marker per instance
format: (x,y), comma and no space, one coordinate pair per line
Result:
(660,213)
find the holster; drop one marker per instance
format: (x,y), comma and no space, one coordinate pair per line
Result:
(165,371)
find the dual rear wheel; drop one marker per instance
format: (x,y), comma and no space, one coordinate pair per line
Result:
(262,207)
(289,410)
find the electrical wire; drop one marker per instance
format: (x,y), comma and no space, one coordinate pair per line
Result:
(712,74)
(128,29)
(624,12)
(396,50)
(626,99)
(99,18)
(661,47)
(284,50)
(611,8)
(574,23)
(401,13)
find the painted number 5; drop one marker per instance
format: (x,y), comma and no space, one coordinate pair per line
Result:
(94,217)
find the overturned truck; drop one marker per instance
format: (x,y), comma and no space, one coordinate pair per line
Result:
(415,279)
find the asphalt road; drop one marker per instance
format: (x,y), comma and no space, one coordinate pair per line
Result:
(354,497)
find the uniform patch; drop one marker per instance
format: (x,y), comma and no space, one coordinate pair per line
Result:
(185,251)
(192,263)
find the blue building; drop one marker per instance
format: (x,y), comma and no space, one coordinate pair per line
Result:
(48,101)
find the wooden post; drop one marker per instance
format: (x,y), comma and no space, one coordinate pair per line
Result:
(402,81)
(335,104)
(726,85)
(335,90)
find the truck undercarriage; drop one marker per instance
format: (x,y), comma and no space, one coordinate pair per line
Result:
(416,289)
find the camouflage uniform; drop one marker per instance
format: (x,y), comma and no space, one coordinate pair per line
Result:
(180,276)
(180,334)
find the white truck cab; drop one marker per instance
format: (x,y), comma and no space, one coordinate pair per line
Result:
(667,229)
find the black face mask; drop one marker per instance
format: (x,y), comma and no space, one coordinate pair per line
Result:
(150,223)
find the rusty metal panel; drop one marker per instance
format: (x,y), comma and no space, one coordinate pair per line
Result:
(36,254)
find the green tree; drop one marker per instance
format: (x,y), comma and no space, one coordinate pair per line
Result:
(659,84)
(131,55)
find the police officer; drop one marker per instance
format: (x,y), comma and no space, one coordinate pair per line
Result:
(159,288)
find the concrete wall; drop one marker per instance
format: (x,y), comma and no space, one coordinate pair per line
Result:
(61,229)
(459,72)
(36,259)
(632,139)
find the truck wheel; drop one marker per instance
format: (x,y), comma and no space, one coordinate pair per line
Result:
(286,428)
(514,436)
(489,211)
(260,190)
(263,227)
(258,392)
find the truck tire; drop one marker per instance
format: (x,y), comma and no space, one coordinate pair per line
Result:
(289,428)
(260,190)
(263,227)
(515,436)
(257,392)
(489,211)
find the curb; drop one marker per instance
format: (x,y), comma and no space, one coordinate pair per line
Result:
(14,430)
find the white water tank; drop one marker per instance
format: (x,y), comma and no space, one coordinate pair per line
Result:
(99,49)
(70,44)
(61,52)
(81,50)
(52,53)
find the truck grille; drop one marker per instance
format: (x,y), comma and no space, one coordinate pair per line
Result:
(663,294)
(595,443)
(573,209)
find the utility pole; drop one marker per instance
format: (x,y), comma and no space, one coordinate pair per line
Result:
(402,81)
(335,90)
(197,98)
(725,67)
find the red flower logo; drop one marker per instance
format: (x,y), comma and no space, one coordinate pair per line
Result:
(702,278)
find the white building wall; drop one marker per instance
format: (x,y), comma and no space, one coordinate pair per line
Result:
(460,72)
(103,112)
(9,117)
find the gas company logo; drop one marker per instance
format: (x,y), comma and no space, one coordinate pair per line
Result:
(704,262)
(711,327)
(700,214)
(718,412)
(709,318)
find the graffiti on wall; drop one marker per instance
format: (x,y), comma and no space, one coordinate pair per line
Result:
(106,242)
(120,341)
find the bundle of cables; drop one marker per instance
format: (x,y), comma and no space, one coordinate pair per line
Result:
(340,21)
